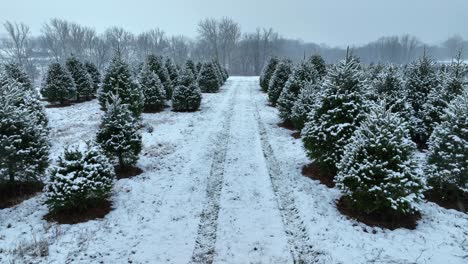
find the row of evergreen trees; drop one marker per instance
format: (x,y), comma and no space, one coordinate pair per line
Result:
(83,178)
(361,125)
(74,80)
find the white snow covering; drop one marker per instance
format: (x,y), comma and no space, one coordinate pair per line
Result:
(222,183)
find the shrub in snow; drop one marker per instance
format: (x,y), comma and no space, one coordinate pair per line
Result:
(24,146)
(278,80)
(307,100)
(156,64)
(83,83)
(172,70)
(118,134)
(340,111)
(58,85)
(319,64)
(378,171)
(94,74)
(302,74)
(153,90)
(15,72)
(118,81)
(80,180)
(186,98)
(186,78)
(208,79)
(267,72)
(447,159)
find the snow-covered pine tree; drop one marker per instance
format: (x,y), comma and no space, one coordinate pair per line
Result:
(15,72)
(153,90)
(208,79)
(303,74)
(267,72)
(421,78)
(94,74)
(199,66)
(278,80)
(456,79)
(156,64)
(307,100)
(378,171)
(388,86)
(186,98)
(186,78)
(83,83)
(24,141)
(80,180)
(432,110)
(319,64)
(172,70)
(58,85)
(341,109)
(219,75)
(447,159)
(189,64)
(118,80)
(118,134)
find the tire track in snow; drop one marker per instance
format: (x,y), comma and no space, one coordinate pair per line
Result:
(204,250)
(301,246)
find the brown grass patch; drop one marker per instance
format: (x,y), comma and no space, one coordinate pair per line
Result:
(12,194)
(381,219)
(73,216)
(314,172)
(449,202)
(127,172)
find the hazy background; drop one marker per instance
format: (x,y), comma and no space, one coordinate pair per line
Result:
(241,34)
(334,22)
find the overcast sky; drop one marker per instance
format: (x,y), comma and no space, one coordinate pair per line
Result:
(335,22)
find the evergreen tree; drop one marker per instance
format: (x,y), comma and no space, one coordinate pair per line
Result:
(199,66)
(153,90)
(388,86)
(207,78)
(80,180)
(186,98)
(58,85)
(118,81)
(190,65)
(15,72)
(432,111)
(267,72)
(24,146)
(118,134)
(156,64)
(186,78)
(319,64)
(278,80)
(422,77)
(447,159)
(307,100)
(302,74)
(217,70)
(172,70)
(340,111)
(378,171)
(94,74)
(83,83)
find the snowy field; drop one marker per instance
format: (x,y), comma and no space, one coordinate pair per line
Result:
(221,185)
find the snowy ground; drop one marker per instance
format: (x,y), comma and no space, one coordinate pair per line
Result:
(220,185)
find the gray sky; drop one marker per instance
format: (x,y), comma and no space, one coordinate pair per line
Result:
(335,22)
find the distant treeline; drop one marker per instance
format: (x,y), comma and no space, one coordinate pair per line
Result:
(223,40)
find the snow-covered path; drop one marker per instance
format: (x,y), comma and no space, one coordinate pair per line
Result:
(221,185)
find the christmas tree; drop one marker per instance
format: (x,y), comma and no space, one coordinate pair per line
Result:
(278,80)
(58,86)
(153,90)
